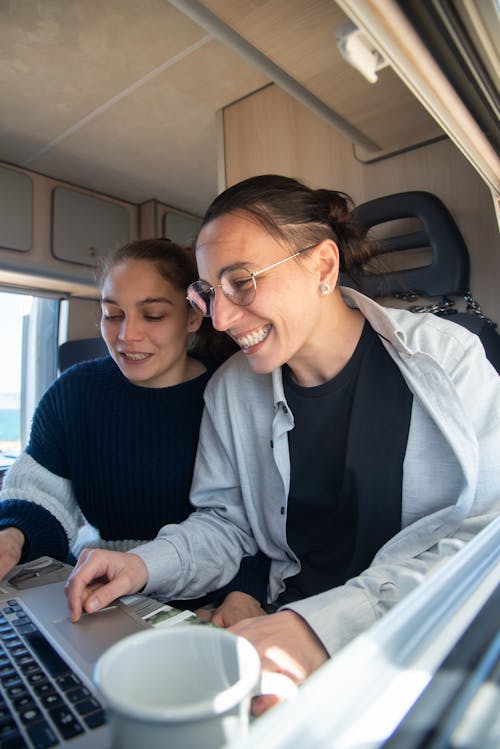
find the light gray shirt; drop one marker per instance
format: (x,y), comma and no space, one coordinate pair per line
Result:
(451,476)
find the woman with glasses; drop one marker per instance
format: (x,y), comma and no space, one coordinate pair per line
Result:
(114,440)
(355,445)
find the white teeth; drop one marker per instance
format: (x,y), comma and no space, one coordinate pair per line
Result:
(253,338)
(135,357)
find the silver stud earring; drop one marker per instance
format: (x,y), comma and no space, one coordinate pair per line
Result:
(324,288)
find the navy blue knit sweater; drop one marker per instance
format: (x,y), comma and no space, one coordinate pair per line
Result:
(129,453)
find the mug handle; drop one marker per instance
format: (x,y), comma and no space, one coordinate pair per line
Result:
(272,682)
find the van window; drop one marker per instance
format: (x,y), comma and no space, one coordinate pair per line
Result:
(29,364)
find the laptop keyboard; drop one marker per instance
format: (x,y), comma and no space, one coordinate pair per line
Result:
(43,703)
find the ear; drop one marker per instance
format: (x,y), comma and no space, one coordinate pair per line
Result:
(194,320)
(328,263)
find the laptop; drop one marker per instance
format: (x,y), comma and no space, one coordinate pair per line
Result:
(47,696)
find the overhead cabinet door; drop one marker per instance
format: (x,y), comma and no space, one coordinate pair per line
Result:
(86,228)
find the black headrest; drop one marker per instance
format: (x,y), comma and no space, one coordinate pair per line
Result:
(83,349)
(448,272)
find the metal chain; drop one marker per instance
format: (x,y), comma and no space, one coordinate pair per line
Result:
(446,306)
(474,307)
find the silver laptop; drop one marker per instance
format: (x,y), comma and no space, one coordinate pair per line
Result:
(47,697)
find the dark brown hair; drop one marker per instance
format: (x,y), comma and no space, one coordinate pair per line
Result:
(175,263)
(297,215)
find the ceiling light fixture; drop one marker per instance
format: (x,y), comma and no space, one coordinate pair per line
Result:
(359,51)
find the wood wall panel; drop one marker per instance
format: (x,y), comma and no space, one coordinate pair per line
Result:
(271,132)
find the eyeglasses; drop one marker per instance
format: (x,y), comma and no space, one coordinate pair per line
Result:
(239,285)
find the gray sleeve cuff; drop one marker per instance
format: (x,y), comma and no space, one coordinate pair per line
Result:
(336,616)
(163,565)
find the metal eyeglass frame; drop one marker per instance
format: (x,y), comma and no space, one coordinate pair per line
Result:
(209,291)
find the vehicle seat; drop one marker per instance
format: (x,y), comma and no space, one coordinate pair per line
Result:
(82,349)
(442,273)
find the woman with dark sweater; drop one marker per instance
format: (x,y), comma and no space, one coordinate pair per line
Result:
(113,440)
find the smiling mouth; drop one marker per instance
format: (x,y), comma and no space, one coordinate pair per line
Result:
(134,357)
(252,339)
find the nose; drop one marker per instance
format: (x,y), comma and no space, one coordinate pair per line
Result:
(224,312)
(130,330)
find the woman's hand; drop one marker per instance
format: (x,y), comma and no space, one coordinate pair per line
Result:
(11,547)
(286,644)
(101,576)
(235,607)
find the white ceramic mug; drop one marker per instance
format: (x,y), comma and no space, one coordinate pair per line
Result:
(188,686)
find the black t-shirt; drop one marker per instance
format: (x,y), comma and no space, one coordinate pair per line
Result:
(346,454)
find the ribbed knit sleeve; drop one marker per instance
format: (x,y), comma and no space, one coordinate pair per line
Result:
(43,534)
(41,505)
(48,438)
(36,497)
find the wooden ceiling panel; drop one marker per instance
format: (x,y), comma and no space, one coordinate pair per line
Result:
(116,96)
(301,40)
(62,60)
(164,131)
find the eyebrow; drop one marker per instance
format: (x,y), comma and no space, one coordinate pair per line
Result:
(142,302)
(241,265)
